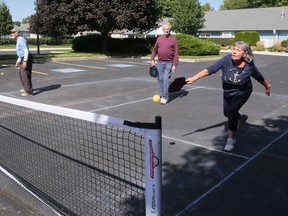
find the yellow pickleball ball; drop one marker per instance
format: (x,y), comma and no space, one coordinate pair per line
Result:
(156,98)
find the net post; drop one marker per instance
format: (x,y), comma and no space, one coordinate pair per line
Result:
(153,168)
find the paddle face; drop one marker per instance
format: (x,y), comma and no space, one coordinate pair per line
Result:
(153,71)
(177,84)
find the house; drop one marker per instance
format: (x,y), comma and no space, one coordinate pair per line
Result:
(125,34)
(158,31)
(24,29)
(270,23)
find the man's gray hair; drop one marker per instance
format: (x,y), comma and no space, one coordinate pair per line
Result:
(166,24)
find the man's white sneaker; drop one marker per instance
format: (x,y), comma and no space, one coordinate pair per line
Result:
(230,144)
(22,91)
(25,94)
(163,101)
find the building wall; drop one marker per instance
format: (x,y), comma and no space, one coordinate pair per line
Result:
(268,37)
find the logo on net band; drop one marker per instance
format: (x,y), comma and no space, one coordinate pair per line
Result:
(154,161)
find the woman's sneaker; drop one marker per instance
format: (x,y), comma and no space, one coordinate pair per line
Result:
(230,144)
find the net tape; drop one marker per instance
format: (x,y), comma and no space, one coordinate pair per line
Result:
(79,166)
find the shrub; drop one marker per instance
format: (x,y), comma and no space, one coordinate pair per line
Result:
(131,45)
(87,43)
(188,45)
(277,46)
(284,43)
(223,42)
(260,46)
(94,43)
(250,37)
(192,46)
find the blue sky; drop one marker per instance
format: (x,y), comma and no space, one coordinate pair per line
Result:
(20,9)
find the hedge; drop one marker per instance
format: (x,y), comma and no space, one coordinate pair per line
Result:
(188,45)
(250,37)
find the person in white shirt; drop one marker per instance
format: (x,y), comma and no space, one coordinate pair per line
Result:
(24,62)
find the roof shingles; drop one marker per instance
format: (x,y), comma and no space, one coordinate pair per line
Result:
(255,19)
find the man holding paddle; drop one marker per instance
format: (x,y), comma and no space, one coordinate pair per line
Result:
(167,49)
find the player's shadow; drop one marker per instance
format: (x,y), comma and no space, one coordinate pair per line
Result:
(189,175)
(37,91)
(179,94)
(207,128)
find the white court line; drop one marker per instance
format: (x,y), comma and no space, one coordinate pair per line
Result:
(84,66)
(230,175)
(201,146)
(194,144)
(132,102)
(27,189)
(118,105)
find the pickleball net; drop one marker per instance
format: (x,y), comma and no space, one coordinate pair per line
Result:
(82,163)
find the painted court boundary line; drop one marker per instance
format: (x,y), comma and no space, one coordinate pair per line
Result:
(132,102)
(84,66)
(231,174)
(27,190)
(204,147)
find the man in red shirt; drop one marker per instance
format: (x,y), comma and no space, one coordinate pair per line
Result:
(167,49)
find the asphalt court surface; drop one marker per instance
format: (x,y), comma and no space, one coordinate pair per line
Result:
(199,178)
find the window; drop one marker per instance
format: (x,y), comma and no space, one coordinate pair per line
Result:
(227,35)
(205,35)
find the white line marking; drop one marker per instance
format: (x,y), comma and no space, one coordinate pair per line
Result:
(132,102)
(84,66)
(27,189)
(230,175)
(201,146)
(123,104)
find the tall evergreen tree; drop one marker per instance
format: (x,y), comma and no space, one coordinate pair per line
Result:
(6,23)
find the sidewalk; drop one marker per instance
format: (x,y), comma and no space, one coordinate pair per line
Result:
(262,53)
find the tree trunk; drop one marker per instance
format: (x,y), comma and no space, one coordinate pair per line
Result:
(105,42)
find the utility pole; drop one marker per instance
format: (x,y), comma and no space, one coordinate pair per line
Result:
(37,28)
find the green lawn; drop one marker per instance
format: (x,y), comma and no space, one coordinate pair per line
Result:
(71,53)
(12,46)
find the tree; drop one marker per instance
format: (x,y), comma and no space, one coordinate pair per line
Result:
(58,17)
(188,16)
(165,7)
(207,7)
(27,19)
(6,23)
(17,23)
(282,3)
(262,3)
(234,4)
(242,4)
